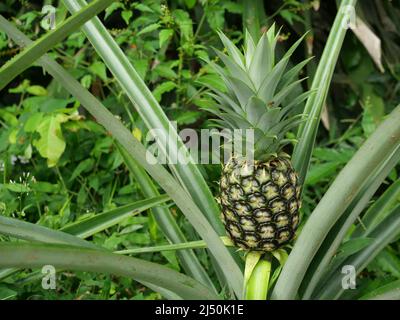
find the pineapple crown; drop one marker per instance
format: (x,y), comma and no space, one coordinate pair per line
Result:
(260,92)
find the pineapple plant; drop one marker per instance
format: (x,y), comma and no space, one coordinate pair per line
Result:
(260,198)
(260,96)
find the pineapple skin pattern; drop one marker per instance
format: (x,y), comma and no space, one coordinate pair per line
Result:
(260,203)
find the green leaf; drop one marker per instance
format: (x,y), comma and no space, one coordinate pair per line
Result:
(252,259)
(379,210)
(127,15)
(83,166)
(114,6)
(317,270)
(319,89)
(322,171)
(389,262)
(368,123)
(184,22)
(16,187)
(215,17)
(6,293)
(389,291)
(31,232)
(387,231)
(88,227)
(166,222)
(163,88)
(51,144)
(165,71)
(379,147)
(149,28)
(190,3)
(33,122)
(165,35)
(150,111)
(99,69)
(86,81)
(143,8)
(29,55)
(83,259)
(212,81)
(352,246)
(37,90)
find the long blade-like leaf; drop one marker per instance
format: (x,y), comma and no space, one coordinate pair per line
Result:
(378,211)
(328,249)
(379,146)
(33,232)
(65,257)
(33,52)
(166,222)
(81,229)
(178,246)
(146,159)
(73,234)
(387,231)
(100,222)
(152,114)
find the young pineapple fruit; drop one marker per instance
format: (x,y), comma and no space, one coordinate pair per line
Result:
(260,199)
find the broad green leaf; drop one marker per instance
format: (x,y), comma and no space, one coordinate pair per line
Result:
(99,69)
(184,22)
(190,3)
(127,15)
(165,35)
(16,187)
(37,90)
(33,122)
(149,28)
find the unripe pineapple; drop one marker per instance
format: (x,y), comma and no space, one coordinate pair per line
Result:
(260,199)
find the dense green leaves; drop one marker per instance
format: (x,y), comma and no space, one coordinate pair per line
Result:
(29,255)
(137,150)
(64,177)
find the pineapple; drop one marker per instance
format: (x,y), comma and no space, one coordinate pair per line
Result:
(260,199)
